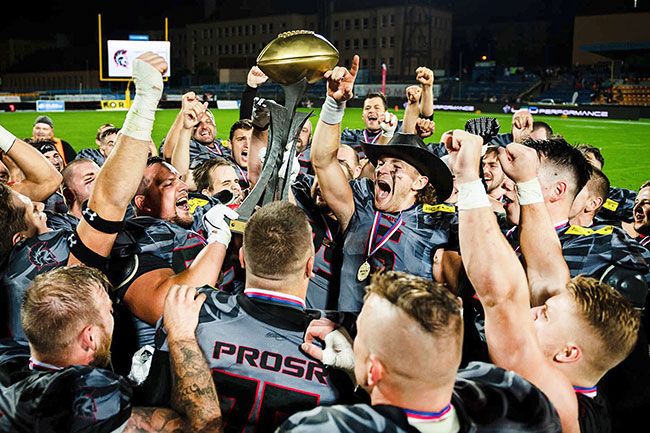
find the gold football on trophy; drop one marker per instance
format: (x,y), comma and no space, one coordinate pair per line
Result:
(297,54)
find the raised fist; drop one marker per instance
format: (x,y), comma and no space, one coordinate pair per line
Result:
(340,81)
(413,94)
(256,77)
(424,76)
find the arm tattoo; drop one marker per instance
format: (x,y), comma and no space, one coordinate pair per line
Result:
(193,391)
(154,419)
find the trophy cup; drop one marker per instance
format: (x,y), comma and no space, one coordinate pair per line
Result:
(294,60)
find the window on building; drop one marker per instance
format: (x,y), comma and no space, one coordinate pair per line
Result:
(391,20)
(364,63)
(356,44)
(364,23)
(382,21)
(391,42)
(364,43)
(382,42)
(356,23)
(347,25)
(347,44)
(336,24)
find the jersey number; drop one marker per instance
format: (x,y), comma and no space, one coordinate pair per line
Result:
(238,395)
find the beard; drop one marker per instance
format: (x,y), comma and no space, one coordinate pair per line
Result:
(183,221)
(102,357)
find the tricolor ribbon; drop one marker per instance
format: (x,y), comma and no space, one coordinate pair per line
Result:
(276,297)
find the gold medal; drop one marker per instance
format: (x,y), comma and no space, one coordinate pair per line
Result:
(364,271)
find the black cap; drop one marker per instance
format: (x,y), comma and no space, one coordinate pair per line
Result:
(44,119)
(411,149)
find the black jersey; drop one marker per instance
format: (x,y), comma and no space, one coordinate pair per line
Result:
(486,399)
(593,414)
(92,154)
(323,289)
(412,238)
(73,399)
(252,344)
(354,138)
(26,260)
(618,206)
(61,221)
(147,244)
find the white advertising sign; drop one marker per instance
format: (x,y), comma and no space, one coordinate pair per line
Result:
(121,55)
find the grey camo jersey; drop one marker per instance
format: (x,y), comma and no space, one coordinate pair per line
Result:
(618,206)
(75,399)
(257,364)
(486,399)
(26,260)
(410,249)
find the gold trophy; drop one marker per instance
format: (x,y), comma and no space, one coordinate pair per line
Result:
(294,60)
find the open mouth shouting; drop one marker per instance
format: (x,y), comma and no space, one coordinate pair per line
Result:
(372,120)
(383,190)
(183,204)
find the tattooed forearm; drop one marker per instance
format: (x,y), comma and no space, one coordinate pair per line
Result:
(193,391)
(154,419)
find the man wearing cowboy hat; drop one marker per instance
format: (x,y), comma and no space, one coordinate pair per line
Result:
(394,223)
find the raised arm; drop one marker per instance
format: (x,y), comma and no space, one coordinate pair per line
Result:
(412,111)
(119,177)
(327,138)
(546,268)
(500,283)
(172,137)
(41,178)
(259,139)
(425,77)
(192,112)
(254,79)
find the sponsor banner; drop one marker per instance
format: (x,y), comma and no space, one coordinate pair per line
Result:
(227,105)
(453,107)
(50,105)
(114,104)
(9,98)
(121,55)
(79,98)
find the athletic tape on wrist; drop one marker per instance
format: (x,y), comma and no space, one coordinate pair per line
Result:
(99,223)
(7,139)
(472,195)
(332,111)
(148,83)
(530,192)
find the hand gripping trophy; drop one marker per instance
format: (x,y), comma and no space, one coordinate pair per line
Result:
(294,60)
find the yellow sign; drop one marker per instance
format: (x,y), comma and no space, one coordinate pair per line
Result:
(584,231)
(611,205)
(115,104)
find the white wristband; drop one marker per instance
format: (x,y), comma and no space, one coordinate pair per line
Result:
(7,139)
(530,192)
(332,111)
(472,195)
(149,88)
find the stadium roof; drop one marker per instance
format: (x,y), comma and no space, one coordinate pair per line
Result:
(618,50)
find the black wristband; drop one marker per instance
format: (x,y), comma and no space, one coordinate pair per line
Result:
(85,255)
(99,223)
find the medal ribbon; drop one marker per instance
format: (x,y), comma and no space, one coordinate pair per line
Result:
(328,232)
(375,229)
(367,140)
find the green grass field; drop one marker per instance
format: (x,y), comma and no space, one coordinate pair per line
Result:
(624,144)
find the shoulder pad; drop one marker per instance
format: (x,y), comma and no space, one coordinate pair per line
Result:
(442,207)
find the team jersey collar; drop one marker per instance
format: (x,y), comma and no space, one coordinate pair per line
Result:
(421,416)
(276,297)
(590,391)
(561,224)
(36,365)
